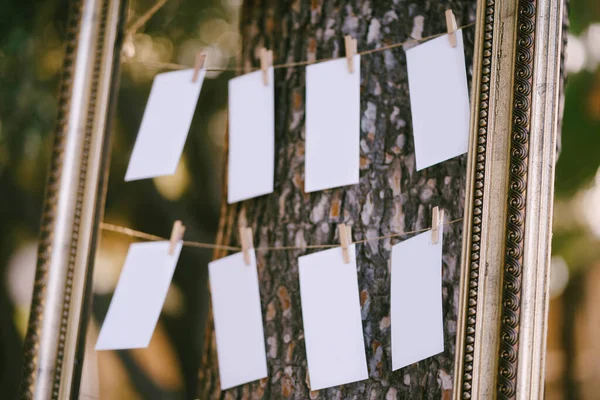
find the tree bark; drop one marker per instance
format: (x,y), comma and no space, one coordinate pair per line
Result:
(392,197)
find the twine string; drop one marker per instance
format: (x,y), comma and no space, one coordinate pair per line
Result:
(149,237)
(131,31)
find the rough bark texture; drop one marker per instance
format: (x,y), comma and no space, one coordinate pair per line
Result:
(391,197)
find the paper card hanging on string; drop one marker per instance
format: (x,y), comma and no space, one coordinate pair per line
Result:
(251,135)
(332,124)
(139,296)
(439,100)
(165,124)
(238,320)
(331,315)
(416,299)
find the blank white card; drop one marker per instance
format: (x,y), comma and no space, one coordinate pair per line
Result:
(139,296)
(332,125)
(439,100)
(251,136)
(335,347)
(165,125)
(416,300)
(238,320)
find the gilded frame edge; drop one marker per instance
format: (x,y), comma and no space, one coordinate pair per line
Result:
(73,205)
(503,306)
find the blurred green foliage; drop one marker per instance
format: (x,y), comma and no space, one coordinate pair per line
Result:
(580,151)
(579,157)
(582,13)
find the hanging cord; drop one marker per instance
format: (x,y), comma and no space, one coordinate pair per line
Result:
(149,237)
(173,66)
(132,30)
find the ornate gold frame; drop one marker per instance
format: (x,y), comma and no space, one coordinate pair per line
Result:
(74,202)
(502,323)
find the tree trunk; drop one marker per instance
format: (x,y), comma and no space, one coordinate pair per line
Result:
(392,197)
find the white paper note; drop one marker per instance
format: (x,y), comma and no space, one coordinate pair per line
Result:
(439,100)
(332,125)
(333,331)
(251,136)
(238,320)
(416,300)
(165,125)
(139,296)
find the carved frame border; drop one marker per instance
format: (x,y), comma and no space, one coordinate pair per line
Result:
(74,201)
(503,311)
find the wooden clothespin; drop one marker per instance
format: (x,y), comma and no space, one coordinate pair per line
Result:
(176,235)
(437,220)
(266,61)
(351,49)
(345,233)
(198,65)
(451,27)
(247,243)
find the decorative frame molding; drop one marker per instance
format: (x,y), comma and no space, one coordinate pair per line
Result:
(508,209)
(74,201)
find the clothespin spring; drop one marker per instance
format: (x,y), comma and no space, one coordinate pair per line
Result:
(451,27)
(437,220)
(345,233)
(176,235)
(198,65)
(351,50)
(247,243)
(266,61)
